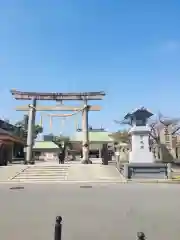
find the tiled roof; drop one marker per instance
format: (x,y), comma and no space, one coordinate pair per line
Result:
(93,137)
(4,132)
(7,135)
(45,145)
(142,111)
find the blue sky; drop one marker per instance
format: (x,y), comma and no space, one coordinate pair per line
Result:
(129,49)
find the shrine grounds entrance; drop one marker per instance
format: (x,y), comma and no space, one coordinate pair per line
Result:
(60,97)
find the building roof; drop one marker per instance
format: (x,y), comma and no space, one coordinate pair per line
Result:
(140,112)
(45,145)
(9,136)
(9,132)
(101,136)
(4,132)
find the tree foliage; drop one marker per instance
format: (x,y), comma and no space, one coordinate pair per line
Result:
(23,127)
(62,141)
(157,125)
(121,136)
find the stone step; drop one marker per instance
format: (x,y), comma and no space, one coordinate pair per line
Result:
(39,178)
(46,170)
(41,175)
(43,167)
(44,173)
(56,172)
(61,173)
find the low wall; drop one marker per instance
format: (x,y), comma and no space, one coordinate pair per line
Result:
(146,171)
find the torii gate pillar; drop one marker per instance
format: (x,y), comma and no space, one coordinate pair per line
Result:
(31,123)
(85,131)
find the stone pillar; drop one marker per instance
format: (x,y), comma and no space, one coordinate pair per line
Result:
(105,156)
(31,122)
(117,157)
(85,131)
(169,171)
(126,171)
(140,145)
(100,152)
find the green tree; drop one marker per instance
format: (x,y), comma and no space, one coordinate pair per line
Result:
(64,144)
(62,141)
(120,136)
(23,128)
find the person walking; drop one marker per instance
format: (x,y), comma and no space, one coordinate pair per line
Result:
(61,156)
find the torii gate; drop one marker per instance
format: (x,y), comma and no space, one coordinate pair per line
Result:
(32,108)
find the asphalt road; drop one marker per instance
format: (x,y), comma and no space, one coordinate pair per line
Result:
(103,212)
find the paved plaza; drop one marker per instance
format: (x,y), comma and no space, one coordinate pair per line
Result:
(103,212)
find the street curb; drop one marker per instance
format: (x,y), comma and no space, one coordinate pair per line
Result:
(154,181)
(60,182)
(94,182)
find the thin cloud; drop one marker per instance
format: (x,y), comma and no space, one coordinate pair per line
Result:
(171,46)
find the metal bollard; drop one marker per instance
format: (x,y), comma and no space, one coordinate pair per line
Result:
(58,228)
(141,236)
